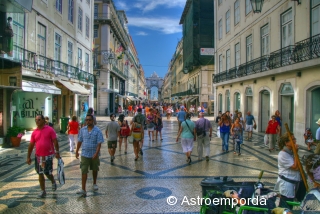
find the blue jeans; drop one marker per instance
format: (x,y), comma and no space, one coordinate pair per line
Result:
(225,140)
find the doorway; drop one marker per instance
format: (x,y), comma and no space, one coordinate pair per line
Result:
(315,110)
(264,109)
(111,103)
(249,95)
(237,101)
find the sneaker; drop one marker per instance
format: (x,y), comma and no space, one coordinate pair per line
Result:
(82,192)
(95,187)
(125,152)
(54,186)
(42,194)
(207,158)
(111,159)
(141,152)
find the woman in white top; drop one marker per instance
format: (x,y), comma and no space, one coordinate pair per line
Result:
(289,175)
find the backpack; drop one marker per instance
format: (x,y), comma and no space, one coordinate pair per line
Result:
(138,119)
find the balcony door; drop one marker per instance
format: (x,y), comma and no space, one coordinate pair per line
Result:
(287,106)
(264,110)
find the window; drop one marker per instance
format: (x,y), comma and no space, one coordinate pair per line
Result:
(70,53)
(80,19)
(96,11)
(219,2)
(57,50)
(41,42)
(220,102)
(228,60)
(227,21)
(96,31)
(220,29)
(59,6)
(79,58)
(220,63)
(265,40)
(87,62)
(70,11)
(248,7)
(87,26)
(237,54)
(18,28)
(236,12)
(249,48)
(286,29)
(315,22)
(111,82)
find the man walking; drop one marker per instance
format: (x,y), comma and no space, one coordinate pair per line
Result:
(112,134)
(203,140)
(181,116)
(90,138)
(45,140)
(249,125)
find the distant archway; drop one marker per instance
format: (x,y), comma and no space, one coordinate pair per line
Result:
(154,84)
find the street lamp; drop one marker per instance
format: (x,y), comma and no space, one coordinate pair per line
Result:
(257,5)
(108,57)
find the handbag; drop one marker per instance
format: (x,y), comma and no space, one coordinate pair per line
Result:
(201,132)
(130,139)
(266,139)
(60,171)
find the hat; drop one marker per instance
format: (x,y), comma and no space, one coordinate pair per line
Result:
(318,122)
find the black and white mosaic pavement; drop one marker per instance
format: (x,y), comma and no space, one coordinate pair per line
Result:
(129,186)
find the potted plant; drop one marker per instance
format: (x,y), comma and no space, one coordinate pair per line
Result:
(15,133)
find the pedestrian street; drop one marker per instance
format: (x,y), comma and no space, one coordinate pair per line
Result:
(129,186)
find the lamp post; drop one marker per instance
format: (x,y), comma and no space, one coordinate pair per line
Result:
(257,5)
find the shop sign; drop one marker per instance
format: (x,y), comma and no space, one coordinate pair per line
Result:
(28,110)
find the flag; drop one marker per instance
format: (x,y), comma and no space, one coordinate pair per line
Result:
(120,48)
(131,65)
(121,55)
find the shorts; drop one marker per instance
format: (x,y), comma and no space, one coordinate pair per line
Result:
(187,144)
(86,162)
(249,128)
(112,144)
(137,136)
(151,129)
(47,170)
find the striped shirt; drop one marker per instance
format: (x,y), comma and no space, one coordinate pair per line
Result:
(90,141)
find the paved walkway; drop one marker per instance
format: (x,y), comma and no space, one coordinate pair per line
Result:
(129,186)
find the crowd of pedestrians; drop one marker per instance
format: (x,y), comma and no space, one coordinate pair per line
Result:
(89,139)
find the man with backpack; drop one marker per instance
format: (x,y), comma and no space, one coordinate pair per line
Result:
(204,133)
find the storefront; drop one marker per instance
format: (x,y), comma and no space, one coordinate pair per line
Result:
(34,99)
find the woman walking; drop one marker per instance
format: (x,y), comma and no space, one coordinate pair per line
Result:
(236,132)
(73,130)
(124,132)
(169,112)
(137,132)
(188,136)
(272,130)
(225,124)
(159,124)
(151,124)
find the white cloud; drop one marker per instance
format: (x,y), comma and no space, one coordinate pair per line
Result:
(141,33)
(148,5)
(164,25)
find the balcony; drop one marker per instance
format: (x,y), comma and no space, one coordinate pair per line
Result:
(117,71)
(194,91)
(102,17)
(302,51)
(30,60)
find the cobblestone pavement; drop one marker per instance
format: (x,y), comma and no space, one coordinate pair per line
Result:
(129,186)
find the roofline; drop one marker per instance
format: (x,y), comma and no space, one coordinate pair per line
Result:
(185,11)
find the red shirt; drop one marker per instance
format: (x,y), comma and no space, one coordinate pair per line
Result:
(129,108)
(43,140)
(272,127)
(74,126)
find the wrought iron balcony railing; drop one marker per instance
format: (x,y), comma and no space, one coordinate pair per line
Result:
(30,60)
(304,50)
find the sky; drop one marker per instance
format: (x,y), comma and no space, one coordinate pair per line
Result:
(155,30)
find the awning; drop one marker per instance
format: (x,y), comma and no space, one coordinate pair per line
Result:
(39,87)
(75,87)
(121,96)
(194,98)
(131,98)
(106,90)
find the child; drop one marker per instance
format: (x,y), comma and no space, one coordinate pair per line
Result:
(308,138)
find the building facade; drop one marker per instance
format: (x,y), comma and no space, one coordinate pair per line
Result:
(116,65)
(268,61)
(53,44)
